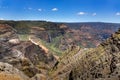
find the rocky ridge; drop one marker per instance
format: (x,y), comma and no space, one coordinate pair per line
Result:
(8,72)
(26,56)
(101,63)
(30,61)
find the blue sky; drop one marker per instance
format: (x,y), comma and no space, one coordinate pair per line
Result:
(61,10)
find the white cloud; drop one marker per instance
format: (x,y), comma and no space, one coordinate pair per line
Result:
(39,9)
(94,14)
(55,9)
(81,13)
(118,13)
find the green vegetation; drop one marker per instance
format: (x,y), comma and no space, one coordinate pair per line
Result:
(23,29)
(23,37)
(54,46)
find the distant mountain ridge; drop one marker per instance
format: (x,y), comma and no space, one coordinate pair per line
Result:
(98,25)
(60,36)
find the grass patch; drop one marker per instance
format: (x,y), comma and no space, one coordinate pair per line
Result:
(23,37)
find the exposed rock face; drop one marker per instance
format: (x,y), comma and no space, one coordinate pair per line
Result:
(36,41)
(7,32)
(14,41)
(49,33)
(87,36)
(39,77)
(23,55)
(101,63)
(40,33)
(8,72)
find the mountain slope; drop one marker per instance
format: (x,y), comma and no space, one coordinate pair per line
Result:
(26,56)
(59,35)
(101,63)
(8,72)
(35,59)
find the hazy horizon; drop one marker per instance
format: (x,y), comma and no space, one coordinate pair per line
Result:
(63,22)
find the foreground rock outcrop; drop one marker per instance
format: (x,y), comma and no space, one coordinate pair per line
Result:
(8,72)
(101,63)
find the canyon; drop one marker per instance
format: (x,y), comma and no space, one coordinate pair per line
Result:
(40,50)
